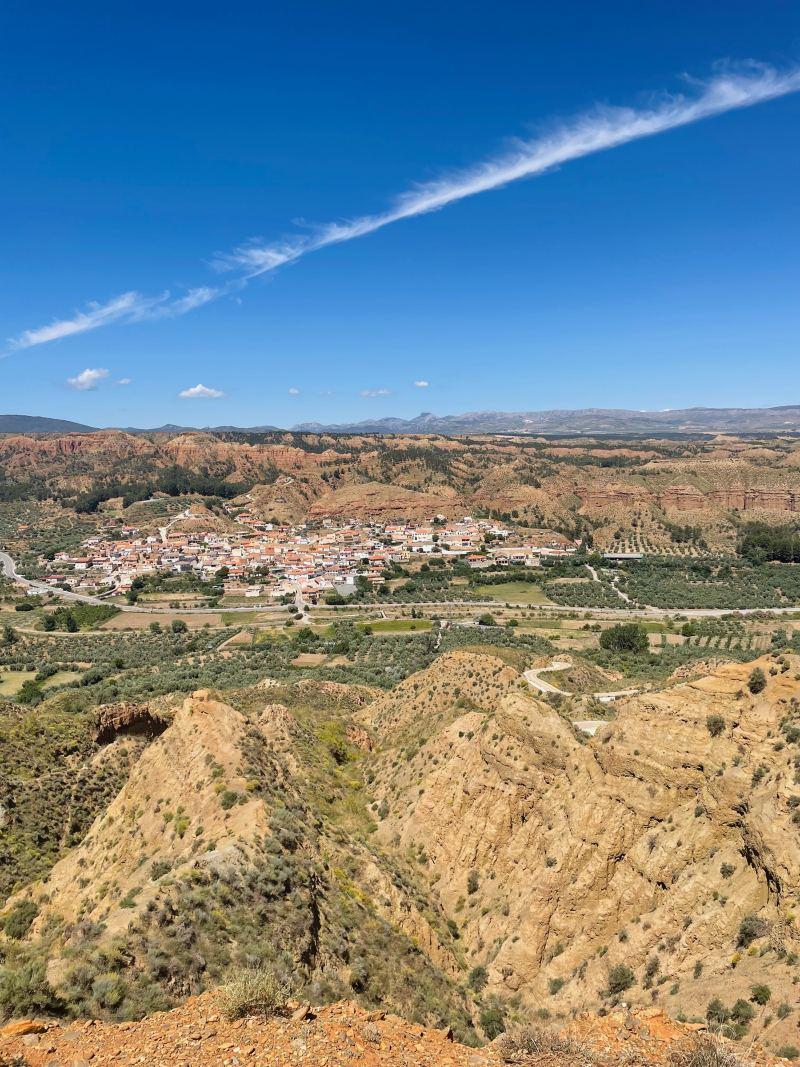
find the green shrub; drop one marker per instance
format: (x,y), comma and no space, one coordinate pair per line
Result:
(760,994)
(18,921)
(716,1012)
(493,1020)
(24,990)
(620,978)
(715,724)
(742,1012)
(757,680)
(750,928)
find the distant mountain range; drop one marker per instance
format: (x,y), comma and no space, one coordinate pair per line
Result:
(582,421)
(586,420)
(41,424)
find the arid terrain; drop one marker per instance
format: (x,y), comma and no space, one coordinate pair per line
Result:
(512,814)
(452,851)
(619,490)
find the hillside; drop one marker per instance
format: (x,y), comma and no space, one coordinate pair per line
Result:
(648,494)
(40,424)
(676,863)
(238,835)
(451,850)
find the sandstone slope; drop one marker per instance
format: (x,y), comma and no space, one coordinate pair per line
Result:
(643,848)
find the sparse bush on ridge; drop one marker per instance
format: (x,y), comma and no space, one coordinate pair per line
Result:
(255,991)
(706,1051)
(533,1041)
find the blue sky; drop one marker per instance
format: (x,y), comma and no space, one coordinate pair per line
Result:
(140,147)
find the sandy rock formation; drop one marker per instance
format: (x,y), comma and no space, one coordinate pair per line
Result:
(561,858)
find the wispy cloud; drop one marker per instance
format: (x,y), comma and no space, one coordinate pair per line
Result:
(596,131)
(372,393)
(421,384)
(170,308)
(293,391)
(87,379)
(124,381)
(132,306)
(202,391)
(119,308)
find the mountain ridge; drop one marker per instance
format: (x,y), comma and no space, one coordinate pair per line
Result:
(782,418)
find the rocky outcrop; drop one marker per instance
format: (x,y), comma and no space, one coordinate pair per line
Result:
(369,500)
(344,1033)
(688,498)
(651,842)
(128,719)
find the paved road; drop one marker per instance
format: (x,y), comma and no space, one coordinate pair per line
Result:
(9,570)
(535,682)
(532,677)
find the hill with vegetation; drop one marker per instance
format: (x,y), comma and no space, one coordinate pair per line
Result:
(449,848)
(684,497)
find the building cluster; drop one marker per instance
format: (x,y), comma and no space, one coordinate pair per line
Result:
(262,559)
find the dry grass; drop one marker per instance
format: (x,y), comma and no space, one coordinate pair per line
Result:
(253,992)
(708,1051)
(524,1041)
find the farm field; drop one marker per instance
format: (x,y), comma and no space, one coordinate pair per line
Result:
(133,620)
(397,626)
(12,681)
(513,592)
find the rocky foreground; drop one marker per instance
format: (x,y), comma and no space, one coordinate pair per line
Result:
(197,1035)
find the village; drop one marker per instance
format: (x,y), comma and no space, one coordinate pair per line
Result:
(266,560)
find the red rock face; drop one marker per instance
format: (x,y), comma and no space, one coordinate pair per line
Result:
(127,717)
(682,498)
(756,499)
(691,499)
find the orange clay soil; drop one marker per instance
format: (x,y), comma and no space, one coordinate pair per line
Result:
(197,1035)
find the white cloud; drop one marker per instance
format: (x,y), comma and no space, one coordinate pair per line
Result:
(124,381)
(127,307)
(421,384)
(87,379)
(194,298)
(200,391)
(371,393)
(119,308)
(293,391)
(596,131)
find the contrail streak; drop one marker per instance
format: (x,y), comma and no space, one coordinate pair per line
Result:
(597,131)
(594,132)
